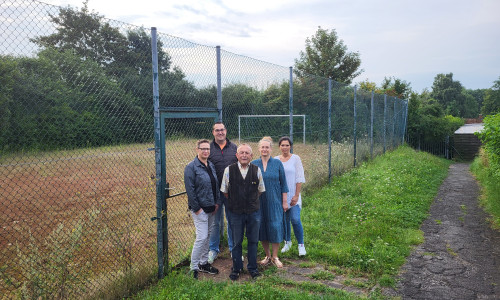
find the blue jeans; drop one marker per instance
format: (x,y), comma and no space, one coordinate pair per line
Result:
(240,222)
(219,222)
(293,216)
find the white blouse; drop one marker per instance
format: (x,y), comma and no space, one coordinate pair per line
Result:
(294,172)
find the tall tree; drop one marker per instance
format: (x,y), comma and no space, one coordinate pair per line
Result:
(86,34)
(478,95)
(396,87)
(448,93)
(491,103)
(91,37)
(470,107)
(327,56)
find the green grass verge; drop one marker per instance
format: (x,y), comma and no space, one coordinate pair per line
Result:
(490,189)
(367,220)
(178,286)
(363,224)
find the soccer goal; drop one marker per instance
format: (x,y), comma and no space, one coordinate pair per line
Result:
(253,127)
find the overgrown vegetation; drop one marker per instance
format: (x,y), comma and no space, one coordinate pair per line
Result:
(486,167)
(54,269)
(363,225)
(88,84)
(67,265)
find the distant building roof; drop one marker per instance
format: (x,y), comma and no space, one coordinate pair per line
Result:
(470,128)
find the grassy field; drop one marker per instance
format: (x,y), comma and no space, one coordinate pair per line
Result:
(362,226)
(79,222)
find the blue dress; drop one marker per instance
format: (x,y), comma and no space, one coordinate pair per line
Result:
(272,225)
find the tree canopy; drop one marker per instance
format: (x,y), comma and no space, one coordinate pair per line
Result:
(454,98)
(392,86)
(326,55)
(491,103)
(396,87)
(89,36)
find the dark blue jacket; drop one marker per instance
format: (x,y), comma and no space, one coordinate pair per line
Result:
(199,186)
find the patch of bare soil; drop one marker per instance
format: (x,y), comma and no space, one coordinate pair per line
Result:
(299,270)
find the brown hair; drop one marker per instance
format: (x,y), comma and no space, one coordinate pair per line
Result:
(202,141)
(213,127)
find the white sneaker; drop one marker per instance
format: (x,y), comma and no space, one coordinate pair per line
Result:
(212,255)
(302,250)
(288,245)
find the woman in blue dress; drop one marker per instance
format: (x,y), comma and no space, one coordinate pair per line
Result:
(273,203)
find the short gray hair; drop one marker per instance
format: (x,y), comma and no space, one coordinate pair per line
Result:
(244,145)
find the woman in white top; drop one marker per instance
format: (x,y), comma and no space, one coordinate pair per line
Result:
(294,172)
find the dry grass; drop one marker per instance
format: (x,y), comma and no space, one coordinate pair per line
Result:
(116,186)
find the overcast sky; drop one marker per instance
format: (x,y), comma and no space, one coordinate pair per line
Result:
(413,40)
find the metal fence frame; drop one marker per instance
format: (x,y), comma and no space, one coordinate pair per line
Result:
(367,124)
(160,165)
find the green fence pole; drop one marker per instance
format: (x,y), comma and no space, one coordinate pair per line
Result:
(290,106)
(385,121)
(371,125)
(329,130)
(355,138)
(394,125)
(219,84)
(159,187)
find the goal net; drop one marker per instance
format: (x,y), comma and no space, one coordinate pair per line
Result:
(252,128)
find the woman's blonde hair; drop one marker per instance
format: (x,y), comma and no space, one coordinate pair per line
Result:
(266,139)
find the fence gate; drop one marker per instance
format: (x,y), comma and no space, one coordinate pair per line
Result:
(180,127)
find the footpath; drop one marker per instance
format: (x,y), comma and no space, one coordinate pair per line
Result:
(460,258)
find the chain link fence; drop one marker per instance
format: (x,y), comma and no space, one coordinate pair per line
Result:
(78,172)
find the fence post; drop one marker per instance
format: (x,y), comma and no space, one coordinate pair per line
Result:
(405,121)
(394,125)
(329,130)
(385,120)
(371,125)
(160,200)
(447,147)
(355,138)
(219,84)
(290,106)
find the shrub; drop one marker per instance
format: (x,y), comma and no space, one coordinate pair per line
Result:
(490,136)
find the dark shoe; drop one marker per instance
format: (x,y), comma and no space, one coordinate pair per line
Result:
(195,274)
(255,274)
(234,275)
(208,268)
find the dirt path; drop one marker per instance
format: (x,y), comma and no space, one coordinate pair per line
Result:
(460,258)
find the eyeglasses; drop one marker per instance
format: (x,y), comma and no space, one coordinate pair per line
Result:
(220,130)
(204,149)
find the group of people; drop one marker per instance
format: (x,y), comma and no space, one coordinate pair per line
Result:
(261,198)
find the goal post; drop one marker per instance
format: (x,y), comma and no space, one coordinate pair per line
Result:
(273,116)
